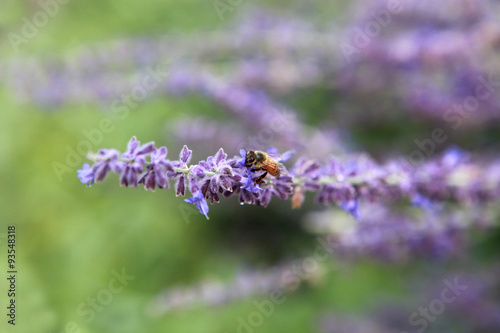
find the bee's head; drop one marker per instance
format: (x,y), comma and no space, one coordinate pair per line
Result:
(251,158)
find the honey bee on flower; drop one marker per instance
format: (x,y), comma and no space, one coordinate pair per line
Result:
(269,162)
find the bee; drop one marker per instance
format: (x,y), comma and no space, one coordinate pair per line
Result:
(261,161)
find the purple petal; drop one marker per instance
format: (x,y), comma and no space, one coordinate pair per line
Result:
(250,185)
(117,166)
(210,162)
(145,149)
(128,177)
(311,167)
(148,179)
(100,169)
(214,197)
(265,198)
(226,184)
(185,155)
(193,185)
(204,188)
(132,145)
(159,154)
(150,182)
(138,163)
(180,187)
(220,156)
(161,178)
(108,154)
(200,203)
(205,165)
(202,206)
(226,170)
(214,184)
(86,174)
(351,206)
(167,165)
(247,197)
(243,154)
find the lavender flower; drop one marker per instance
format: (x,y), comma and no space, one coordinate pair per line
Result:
(135,157)
(155,174)
(86,174)
(423,46)
(474,306)
(106,160)
(147,165)
(244,284)
(450,178)
(392,234)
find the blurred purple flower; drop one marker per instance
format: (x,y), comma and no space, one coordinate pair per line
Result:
(107,160)
(86,174)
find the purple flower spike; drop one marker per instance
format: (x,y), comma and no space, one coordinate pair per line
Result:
(200,203)
(86,174)
(452,178)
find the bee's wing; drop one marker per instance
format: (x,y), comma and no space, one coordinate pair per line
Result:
(286,155)
(282,168)
(277,157)
(273,152)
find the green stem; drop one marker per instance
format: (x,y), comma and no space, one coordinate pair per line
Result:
(182,170)
(188,170)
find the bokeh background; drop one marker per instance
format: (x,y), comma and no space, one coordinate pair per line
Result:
(72,240)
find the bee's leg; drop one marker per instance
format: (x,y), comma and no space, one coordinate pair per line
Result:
(261,178)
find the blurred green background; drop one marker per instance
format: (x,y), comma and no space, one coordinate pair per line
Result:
(71,238)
